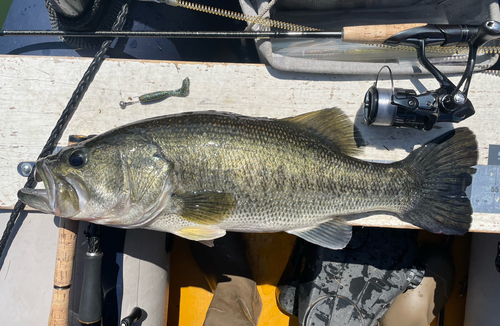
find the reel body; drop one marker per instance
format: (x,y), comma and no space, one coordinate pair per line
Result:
(400,107)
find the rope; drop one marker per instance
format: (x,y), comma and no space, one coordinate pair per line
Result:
(250,25)
(63,121)
(261,15)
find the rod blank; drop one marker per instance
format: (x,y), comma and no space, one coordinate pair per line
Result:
(183,34)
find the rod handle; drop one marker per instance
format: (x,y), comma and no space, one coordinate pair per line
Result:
(90,312)
(374,34)
(59,309)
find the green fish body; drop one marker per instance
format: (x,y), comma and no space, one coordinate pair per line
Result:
(198,175)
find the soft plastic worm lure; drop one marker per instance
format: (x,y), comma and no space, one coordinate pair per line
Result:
(161,95)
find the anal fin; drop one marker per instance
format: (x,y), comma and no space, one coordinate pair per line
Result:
(333,234)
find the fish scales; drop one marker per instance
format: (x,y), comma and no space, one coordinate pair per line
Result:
(281,175)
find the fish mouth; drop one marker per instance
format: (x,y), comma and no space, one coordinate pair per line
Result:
(57,198)
(41,199)
(36,198)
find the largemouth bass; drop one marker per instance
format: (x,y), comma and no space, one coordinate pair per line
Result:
(198,175)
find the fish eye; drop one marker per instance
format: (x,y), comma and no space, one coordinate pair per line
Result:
(77,159)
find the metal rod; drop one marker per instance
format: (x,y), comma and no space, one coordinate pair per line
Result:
(201,34)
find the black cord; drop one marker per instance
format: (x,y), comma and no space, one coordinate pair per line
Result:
(63,121)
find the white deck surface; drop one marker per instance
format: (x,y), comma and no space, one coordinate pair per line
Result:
(35,90)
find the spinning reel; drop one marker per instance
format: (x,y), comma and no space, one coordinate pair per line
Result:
(400,107)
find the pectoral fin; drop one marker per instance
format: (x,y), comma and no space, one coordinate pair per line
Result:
(207,207)
(200,233)
(333,234)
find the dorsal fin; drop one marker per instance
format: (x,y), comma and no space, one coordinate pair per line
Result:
(334,125)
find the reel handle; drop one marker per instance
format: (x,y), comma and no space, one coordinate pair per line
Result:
(374,34)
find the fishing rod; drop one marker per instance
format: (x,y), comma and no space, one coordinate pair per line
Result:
(443,35)
(383,107)
(179,34)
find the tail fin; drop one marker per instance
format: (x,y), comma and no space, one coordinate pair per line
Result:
(445,167)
